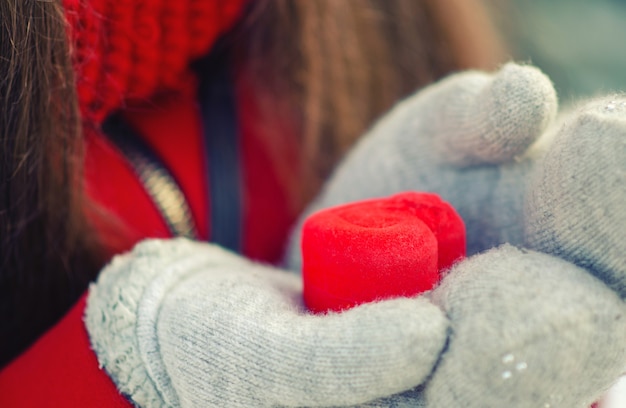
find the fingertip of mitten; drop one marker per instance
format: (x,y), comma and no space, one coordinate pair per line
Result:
(533,91)
(523,103)
(497,121)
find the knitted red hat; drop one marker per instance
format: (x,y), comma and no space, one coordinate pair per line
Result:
(129,49)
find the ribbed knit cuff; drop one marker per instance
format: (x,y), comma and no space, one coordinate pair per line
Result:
(122,310)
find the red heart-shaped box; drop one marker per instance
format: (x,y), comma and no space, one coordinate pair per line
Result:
(378,249)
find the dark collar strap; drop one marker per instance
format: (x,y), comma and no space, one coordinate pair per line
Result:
(221,137)
(223,173)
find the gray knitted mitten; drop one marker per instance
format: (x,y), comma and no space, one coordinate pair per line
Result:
(177,323)
(528,330)
(449,138)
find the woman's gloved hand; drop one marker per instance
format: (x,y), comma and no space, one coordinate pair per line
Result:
(177,323)
(528,330)
(466,139)
(214,329)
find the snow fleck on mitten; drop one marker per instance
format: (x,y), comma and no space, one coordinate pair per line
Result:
(378,249)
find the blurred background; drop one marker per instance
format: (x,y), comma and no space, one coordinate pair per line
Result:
(580,44)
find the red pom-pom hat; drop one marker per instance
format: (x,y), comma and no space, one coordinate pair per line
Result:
(124,50)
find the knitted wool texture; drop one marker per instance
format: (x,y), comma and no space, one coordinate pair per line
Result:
(125,50)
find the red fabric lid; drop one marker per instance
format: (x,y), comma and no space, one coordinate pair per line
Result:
(378,249)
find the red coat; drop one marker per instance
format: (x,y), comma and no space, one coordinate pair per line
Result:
(60,369)
(125,52)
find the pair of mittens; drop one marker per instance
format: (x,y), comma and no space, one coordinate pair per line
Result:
(186,324)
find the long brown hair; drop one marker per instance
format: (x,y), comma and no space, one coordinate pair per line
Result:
(43,267)
(341,64)
(335,65)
